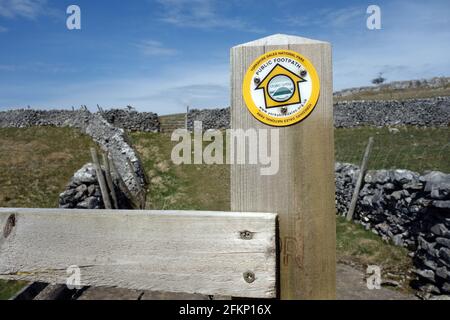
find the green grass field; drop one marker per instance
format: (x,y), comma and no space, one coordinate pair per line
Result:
(398,94)
(417,149)
(357,246)
(36,164)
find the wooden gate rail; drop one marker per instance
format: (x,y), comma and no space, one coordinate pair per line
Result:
(213,253)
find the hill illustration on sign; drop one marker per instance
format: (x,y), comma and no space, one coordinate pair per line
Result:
(280,87)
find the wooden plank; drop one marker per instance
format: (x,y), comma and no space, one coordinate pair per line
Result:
(55,292)
(362,172)
(302,192)
(173,251)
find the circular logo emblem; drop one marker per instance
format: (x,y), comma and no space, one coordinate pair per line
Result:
(281,88)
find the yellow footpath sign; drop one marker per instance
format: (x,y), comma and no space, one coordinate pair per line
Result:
(281,88)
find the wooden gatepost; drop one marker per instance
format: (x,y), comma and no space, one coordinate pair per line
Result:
(302,192)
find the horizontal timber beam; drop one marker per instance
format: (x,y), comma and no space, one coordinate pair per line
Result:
(213,253)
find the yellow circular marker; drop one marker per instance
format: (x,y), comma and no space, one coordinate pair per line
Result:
(281,88)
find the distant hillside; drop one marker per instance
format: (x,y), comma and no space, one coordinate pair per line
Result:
(398,90)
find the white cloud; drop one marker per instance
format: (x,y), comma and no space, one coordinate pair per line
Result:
(29,9)
(202,14)
(165,92)
(154,48)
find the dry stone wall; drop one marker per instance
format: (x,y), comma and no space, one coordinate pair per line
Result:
(210,118)
(407,209)
(111,139)
(432,112)
(115,142)
(126,119)
(83,191)
(132,120)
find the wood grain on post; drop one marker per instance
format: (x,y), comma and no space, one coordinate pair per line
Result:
(351,208)
(101,179)
(303,190)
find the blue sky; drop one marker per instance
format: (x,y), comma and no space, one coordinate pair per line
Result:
(162,55)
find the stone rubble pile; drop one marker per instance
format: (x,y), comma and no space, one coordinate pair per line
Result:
(83,191)
(409,210)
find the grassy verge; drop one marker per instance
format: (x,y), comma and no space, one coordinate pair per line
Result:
(9,288)
(206,186)
(357,246)
(412,148)
(189,187)
(35,166)
(397,94)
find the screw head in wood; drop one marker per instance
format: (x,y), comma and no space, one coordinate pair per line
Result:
(257,80)
(303,73)
(283,110)
(246,235)
(249,276)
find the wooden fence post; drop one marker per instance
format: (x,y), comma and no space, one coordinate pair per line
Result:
(186,118)
(101,179)
(362,171)
(303,190)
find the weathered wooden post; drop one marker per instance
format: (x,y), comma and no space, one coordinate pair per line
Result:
(302,191)
(186,118)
